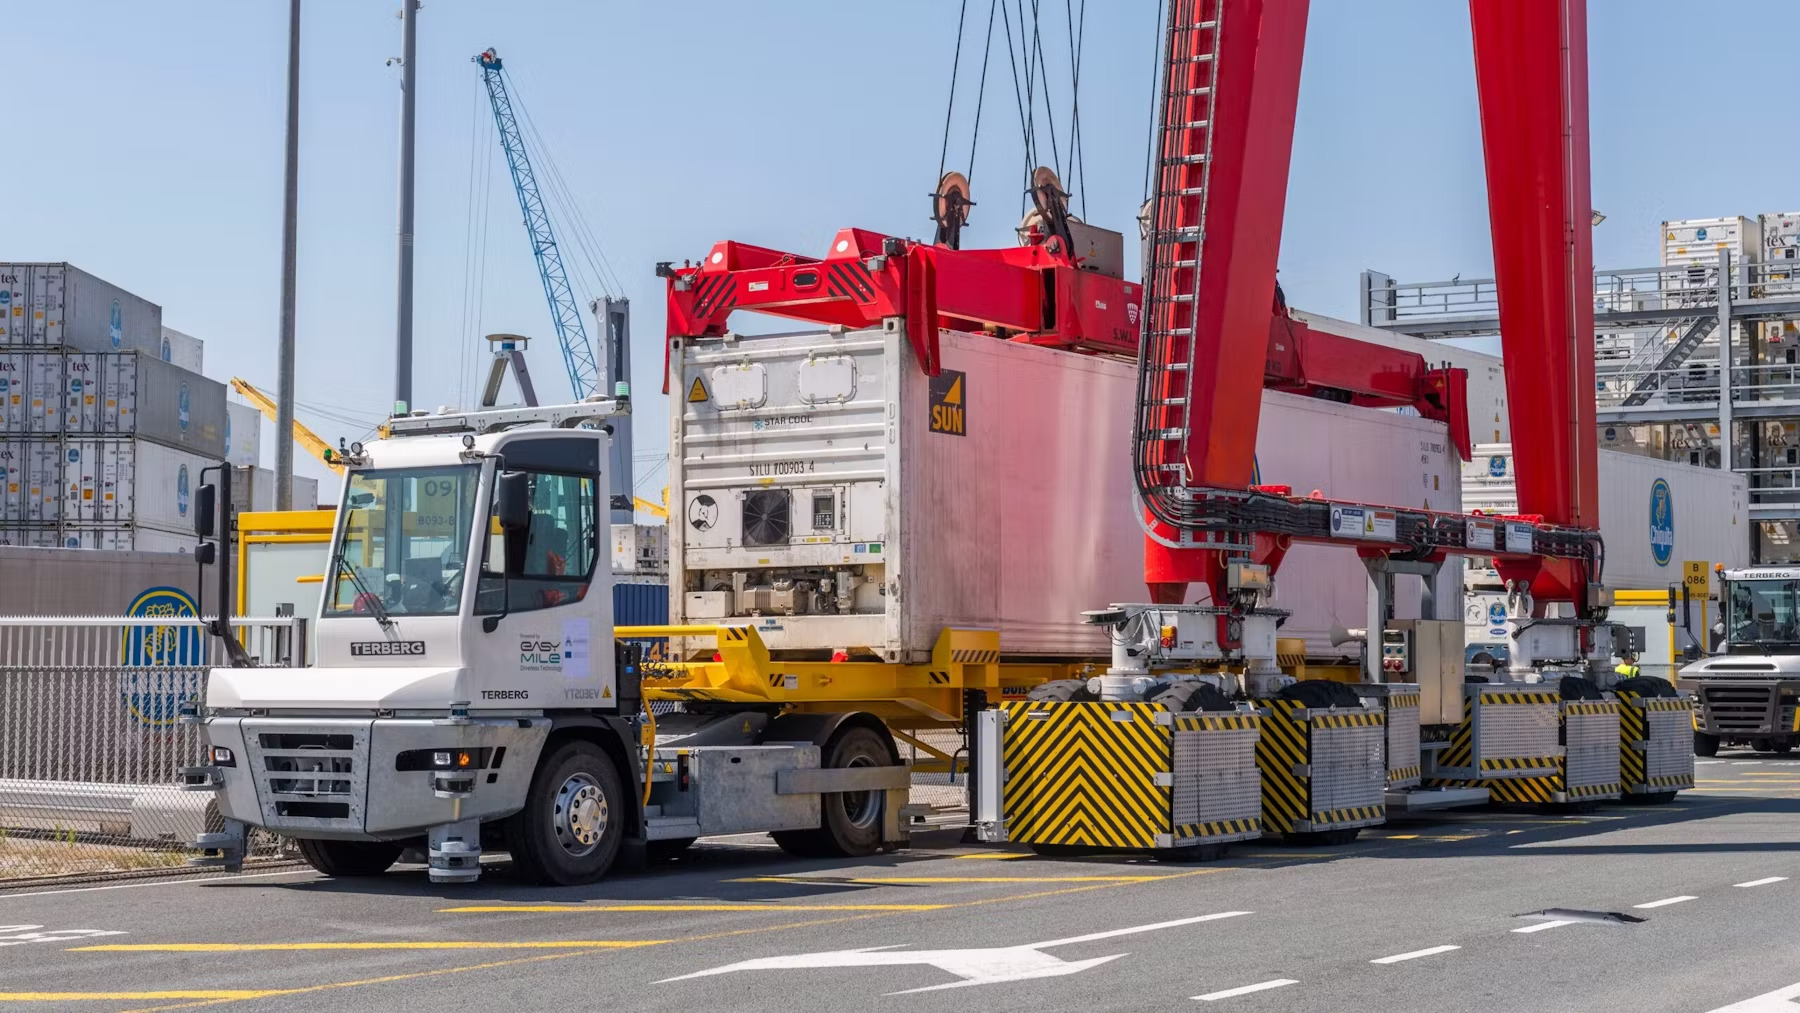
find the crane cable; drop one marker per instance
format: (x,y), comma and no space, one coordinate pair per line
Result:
(950,107)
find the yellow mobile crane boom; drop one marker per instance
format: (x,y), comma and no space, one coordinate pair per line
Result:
(302,435)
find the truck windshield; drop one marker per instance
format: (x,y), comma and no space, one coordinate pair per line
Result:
(404,539)
(1764,612)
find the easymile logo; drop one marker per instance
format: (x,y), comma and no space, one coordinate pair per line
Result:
(387,648)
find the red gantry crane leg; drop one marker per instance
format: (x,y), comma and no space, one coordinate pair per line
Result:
(1531,74)
(1231,82)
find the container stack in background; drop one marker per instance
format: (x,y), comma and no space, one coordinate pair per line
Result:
(105,420)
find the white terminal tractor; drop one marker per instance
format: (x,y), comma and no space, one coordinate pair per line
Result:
(469,693)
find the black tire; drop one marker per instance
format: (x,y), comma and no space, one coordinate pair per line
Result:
(1706,745)
(348,859)
(1763,745)
(573,823)
(1781,747)
(850,820)
(663,851)
(1061,691)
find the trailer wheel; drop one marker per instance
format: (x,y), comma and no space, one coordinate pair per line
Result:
(1706,745)
(348,859)
(1763,745)
(1781,747)
(574,818)
(850,821)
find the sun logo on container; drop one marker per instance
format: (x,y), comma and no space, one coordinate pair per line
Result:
(1662,523)
(162,664)
(116,325)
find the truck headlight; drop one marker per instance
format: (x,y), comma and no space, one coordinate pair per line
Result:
(445,759)
(222,757)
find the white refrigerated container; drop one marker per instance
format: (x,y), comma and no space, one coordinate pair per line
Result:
(31,398)
(109,482)
(132,394)
(1654,515)
(998,495)
(243,435)
(1698,241)
(31,481)
(640,548)
(61,305)
(183,350)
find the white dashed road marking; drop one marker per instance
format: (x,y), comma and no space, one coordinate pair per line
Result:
(1414,955)
(1246,989)
(1763,882)
(1665,902)
(1553,924)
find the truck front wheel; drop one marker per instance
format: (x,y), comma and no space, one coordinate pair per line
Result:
(574,818)
(348,859)
(1706,745)
(850,823)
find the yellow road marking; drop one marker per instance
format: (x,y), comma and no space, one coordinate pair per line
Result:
(996,855)
(1403,837)
(215,998)
(893,880)
(227,995)
(502,908)
(469,944)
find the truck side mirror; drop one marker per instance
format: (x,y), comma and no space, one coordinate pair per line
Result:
(512,501)
(206,509)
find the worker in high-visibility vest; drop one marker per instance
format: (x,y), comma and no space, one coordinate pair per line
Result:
(1627,668)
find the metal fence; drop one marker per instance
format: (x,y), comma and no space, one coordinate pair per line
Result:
(92,742)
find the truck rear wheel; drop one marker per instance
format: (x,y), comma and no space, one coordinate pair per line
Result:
(574,818)
(348,859)
(1706,745)
(850,821)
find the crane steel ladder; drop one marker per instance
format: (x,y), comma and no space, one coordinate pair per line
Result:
(565,313)
(1176,227)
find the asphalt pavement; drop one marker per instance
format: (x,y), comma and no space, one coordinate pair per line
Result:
(1682,907)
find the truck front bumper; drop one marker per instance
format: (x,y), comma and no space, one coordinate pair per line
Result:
(341,778)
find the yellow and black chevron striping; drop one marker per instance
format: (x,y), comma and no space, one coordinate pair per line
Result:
(1078,775)
(1524,789)
(734,633)
(1218,828)
(974,657)
(1506,699)
(1667,781)
(1634,729)
(1521,763)
(1354,814)
(1591,790)
(1220,722)
(1405,773)
(1349,719)
(1586,707)
(1403,700)
(1461,751)
(1279,751)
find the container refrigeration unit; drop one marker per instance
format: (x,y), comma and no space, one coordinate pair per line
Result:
(827,490)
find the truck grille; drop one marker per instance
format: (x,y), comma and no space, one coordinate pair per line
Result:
(1747,709)
(1739,708)
(310,775)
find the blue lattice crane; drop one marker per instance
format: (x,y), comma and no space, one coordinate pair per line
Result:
(565,312)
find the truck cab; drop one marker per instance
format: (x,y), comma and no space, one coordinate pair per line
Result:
(468,691)
(1747,691)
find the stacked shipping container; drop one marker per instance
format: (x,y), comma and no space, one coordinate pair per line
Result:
(102,434)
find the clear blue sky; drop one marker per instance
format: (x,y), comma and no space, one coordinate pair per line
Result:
(146,147)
